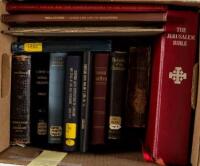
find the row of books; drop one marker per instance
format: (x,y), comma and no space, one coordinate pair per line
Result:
(173,57)
(79,94)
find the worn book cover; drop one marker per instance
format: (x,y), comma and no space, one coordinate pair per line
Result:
(20,100)
(138,86)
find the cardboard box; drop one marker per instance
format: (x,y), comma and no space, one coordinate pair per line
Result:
(23,156)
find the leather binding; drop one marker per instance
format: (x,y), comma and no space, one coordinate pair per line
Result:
(138,86)
(100,90)
(20,100)
(118,80)
(169,121)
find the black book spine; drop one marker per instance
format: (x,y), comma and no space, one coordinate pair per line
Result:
(117,93)
(56,97)
(60,46)
(86,101)
(20,100)
(72,101)
(39,95)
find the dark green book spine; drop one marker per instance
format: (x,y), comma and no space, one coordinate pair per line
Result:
(56,97)
(20,99)
(39,95)
(72,101)
(86,101)
(117,93)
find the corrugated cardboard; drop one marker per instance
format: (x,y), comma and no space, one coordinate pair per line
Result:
(5,76)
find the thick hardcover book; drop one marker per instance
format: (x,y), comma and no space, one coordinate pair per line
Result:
(138,86)
(81,18)
(168,130)
(72,101)
(39,95)
(13,7)
(20,99)
(56,97)
(86,100)
(118,80)
(60,46)
(100,88)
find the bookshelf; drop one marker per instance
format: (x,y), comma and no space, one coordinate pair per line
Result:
(20,155)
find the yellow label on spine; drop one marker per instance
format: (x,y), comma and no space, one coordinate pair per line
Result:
(33,47)
(70,142)
(70,132)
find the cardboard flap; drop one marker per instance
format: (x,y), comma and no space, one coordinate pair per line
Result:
(194,86)
(5,75)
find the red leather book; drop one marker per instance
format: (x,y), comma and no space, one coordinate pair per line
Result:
(167,137)
(13,7)
(99,98)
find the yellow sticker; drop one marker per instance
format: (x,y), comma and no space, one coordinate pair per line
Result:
(70,142)
(48,158)
(33,47)
(70,130)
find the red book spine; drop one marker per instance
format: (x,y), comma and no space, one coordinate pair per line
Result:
(13,7)
(170,105)
(99,97)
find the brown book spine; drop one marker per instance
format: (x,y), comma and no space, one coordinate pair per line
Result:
(20,107)
(138,86)
(101,61)
(117,93)
(83,17)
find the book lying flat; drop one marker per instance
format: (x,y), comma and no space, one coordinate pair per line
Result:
(84,31)
(13,7)
(83,18)
(170,2)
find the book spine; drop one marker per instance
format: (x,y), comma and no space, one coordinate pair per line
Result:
(72,101)
(100,83)
(60,19)
(117,91)
(138,86)
(56,97)
(64,46)
(13,7)
(39,95)
(86,101)
(20,107)
(169,120)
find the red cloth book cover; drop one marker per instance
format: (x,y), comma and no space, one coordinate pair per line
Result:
(14,7)
(169,120)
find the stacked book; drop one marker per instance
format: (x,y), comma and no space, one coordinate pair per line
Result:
(83,91)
